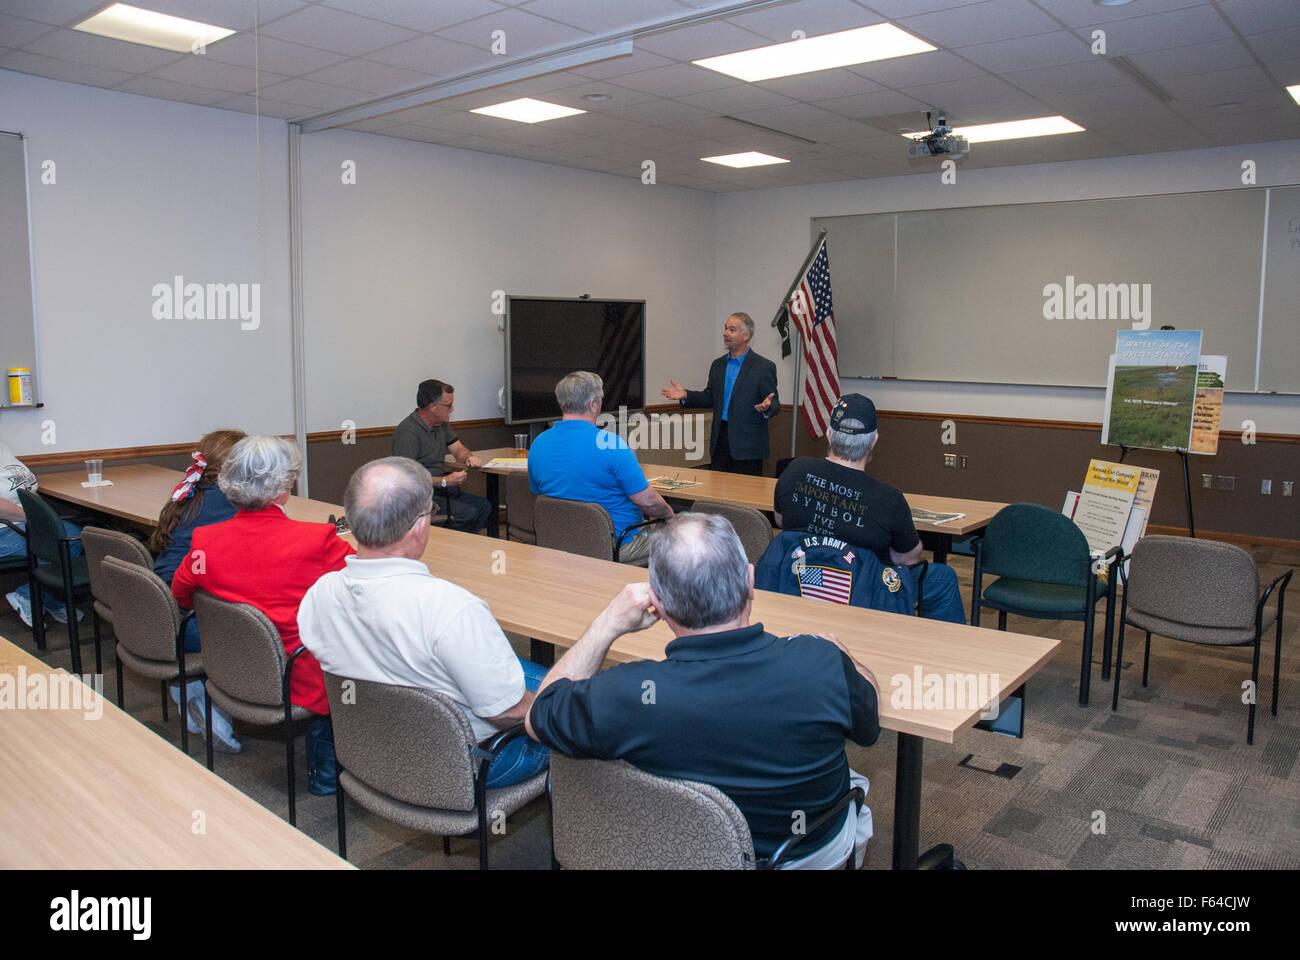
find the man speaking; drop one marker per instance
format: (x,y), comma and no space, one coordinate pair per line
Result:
(742,393)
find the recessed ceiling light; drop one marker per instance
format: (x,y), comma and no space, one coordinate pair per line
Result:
(860,45)
(749,159)
(124,22)
(1294,90)
(1010,130)
(1112,3)
(597,97)
(528,110)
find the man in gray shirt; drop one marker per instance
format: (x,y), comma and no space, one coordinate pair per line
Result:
(426,436)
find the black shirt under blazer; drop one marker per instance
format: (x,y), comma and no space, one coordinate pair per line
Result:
(746,427)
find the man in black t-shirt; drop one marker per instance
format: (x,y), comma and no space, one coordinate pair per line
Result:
(837,498)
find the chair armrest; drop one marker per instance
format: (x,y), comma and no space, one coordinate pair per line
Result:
(15,527)
(1285,580)
(782,852)
(80,518)
(487,749)
(618,544)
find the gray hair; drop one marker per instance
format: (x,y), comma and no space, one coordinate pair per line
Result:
(699,571)
(576,391)
(850,446)
(259,470)
(747,320)
(384,497)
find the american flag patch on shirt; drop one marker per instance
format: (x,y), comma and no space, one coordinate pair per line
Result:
(825,583)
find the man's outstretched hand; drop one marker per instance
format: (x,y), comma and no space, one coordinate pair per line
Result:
(675,392)
(765,405)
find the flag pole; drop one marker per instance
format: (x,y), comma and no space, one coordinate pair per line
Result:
(798,345)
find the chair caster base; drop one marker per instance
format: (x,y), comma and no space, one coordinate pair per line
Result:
(939,857)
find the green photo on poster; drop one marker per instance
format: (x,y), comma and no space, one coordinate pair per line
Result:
(1152,391)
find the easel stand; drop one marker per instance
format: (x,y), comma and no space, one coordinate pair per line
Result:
(1187,486)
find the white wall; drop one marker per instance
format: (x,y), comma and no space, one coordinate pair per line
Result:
(146,189)
(399,268)
(763,236)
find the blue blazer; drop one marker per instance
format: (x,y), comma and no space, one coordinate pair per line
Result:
(746,427)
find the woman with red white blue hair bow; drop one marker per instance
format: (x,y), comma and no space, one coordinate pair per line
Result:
(196,502)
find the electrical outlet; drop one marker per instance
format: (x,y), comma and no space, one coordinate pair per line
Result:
(1227,483)
(1287,486)
(950,459)
(962,461)
(1266,487)
(1207,481)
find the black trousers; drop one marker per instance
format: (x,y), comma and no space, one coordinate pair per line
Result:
(722,459)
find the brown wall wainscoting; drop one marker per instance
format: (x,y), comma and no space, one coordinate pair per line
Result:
(1009,459)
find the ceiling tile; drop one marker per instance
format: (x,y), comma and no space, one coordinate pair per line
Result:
(422,114)
(334,30)
(676,80)
(659,111)
(872,104)
(893,9)
(588,146)
(650,136)
(980,23)
(736,99)
(409,131)
(576,96)
(1178,28)
(1086,75)
(368,76)
(607,16)
(1256,16)
(56,69)
(471,124)
(618,66)
(933,67)
(524,33)
(822,85)
(595,124)
(710,39)
(432,55)
(1261,126)
(709,128)
(59,12)
(231,14)
(421,15)
(278,56)
(244,103)
(372,126)
(167,90)
(536,86)
(813,17)
(320,95)
(1181,61)
(16,32)
(202,72)
(851,133)
(791,117)
(979,100)
(1220,85)
(1076,13)
(101,51)
(1286,72)
(1025,53)
(1275,45)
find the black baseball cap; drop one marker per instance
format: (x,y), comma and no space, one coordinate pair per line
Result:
(854,406)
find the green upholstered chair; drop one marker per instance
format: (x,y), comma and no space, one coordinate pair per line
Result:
(1045,571)
(1201,591)
(54,568)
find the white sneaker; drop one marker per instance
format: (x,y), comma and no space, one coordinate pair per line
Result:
(60,614)
(23,604)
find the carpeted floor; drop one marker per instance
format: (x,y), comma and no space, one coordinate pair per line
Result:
(1166,782)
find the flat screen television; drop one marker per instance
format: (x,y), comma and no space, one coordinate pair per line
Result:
(549,337)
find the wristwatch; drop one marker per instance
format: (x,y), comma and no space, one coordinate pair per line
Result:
(444,483)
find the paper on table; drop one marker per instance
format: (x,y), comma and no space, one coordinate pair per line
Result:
(506,463)
(930,516)
(101,483)
(668,483)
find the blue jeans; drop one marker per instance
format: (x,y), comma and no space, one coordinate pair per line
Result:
(522,758)
(940,595)
(12,545)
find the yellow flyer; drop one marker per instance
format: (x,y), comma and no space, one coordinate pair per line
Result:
(1105,503)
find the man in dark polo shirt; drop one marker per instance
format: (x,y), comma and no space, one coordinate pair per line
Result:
(762,718)
(426,436)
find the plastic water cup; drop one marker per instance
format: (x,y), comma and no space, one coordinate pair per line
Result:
(95,470)
(521,444)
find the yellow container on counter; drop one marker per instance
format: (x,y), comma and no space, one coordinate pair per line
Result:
(20,386)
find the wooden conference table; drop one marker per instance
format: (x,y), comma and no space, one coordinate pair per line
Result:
(552,596)
(758,492)
(104,792)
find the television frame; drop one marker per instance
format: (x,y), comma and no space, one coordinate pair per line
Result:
(506,393)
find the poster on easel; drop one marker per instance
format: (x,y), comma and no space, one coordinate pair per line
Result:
(1151,389)
(1209,405)
(1105,502)
(1143,497)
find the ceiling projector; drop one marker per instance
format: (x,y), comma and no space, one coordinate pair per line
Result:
(940,142)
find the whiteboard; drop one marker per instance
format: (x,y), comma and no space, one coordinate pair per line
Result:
(1034,293)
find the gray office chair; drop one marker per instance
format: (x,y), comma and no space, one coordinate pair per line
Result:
(750,525)
(410,756)
(1200,591)
(98,543)
(586,529)
(520,509)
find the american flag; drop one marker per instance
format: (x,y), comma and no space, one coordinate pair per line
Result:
(813,314)
(825,583)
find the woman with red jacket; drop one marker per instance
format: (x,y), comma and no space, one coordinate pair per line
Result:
(263,558)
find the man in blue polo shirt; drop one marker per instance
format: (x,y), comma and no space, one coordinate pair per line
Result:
(762,718)
(575,460)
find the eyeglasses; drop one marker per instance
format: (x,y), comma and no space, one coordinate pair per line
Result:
(439,403)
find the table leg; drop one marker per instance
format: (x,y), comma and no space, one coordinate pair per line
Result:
(907,812)
(494,497)
(541,652)
(942,548)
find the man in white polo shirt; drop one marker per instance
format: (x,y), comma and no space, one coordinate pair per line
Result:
(384,617)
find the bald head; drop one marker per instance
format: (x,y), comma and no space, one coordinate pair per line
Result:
(384,499)
(699,571)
